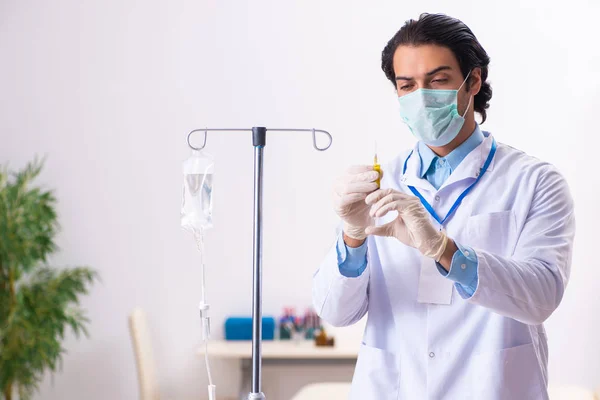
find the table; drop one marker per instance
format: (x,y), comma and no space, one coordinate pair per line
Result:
(279,352)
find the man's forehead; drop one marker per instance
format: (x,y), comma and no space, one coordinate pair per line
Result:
(420,60)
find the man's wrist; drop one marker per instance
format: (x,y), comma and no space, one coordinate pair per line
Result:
(351,242)
(446,258)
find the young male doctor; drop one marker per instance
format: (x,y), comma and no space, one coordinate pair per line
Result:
(462,252)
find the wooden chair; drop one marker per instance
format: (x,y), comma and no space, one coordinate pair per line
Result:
(568,392)
(144,357)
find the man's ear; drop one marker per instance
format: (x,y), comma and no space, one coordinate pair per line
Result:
(475,81)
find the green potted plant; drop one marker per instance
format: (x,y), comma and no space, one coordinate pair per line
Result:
(38,304)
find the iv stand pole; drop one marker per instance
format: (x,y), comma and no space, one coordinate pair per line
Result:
(259,141)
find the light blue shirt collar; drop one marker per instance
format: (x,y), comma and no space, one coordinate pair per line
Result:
(455,157)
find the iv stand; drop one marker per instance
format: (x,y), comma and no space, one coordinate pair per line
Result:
(259,141)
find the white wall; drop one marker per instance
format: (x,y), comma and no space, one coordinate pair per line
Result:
(108,90)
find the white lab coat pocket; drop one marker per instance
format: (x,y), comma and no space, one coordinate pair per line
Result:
(376,376)
(494,232)
(508,374)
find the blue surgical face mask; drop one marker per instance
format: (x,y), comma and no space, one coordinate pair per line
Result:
(432,114)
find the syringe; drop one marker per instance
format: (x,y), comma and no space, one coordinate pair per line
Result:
(376,166)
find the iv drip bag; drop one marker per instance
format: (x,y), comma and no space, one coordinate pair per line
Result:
(196,207)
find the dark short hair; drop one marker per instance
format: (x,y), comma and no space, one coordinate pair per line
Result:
(442,30)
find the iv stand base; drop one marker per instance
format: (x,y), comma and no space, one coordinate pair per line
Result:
(256,396)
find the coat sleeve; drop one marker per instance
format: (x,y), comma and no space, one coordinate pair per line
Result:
(339,300)
(529,286)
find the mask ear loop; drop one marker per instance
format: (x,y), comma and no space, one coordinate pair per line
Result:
(467,109)
(469,103)
(465,81)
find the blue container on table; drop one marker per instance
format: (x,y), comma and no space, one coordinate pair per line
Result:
(240,328)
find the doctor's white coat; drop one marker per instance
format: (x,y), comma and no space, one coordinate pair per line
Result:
(519,219)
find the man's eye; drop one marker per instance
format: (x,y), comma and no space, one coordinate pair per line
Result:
(405,87)
(440,80)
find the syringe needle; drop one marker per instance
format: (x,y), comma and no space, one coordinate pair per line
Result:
(376,165)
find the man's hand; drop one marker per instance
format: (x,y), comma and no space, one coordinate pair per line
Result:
(412,226)
(350,192)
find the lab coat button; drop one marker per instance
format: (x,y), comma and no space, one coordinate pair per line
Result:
(437,198)
(463,266)
(467,253)
(431,355)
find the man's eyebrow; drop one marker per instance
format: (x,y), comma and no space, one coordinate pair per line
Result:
(432,72)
